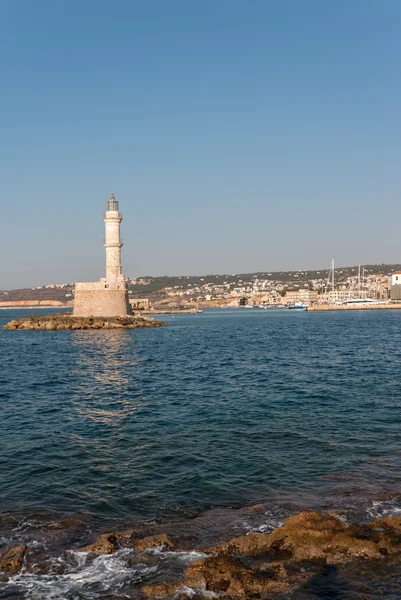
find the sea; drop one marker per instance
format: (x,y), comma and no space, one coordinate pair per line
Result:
(220,424)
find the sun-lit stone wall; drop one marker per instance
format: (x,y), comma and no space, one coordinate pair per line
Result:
(91,301)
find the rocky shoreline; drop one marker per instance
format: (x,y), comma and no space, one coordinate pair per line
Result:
(67,321)
(266,565)
(309,547)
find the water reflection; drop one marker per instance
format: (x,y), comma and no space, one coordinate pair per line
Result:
(105,376)
(103,355)
(105,401)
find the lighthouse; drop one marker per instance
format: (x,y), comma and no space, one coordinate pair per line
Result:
(113,244)
(109,296)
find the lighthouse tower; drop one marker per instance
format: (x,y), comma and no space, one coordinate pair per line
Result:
(113,244)
(109,296)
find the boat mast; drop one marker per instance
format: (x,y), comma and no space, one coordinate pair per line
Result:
(330,282)
(359,281)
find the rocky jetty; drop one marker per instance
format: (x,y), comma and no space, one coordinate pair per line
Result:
(67,321)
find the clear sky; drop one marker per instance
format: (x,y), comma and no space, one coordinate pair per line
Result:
(237,135)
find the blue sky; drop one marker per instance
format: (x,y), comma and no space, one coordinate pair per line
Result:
(238,136)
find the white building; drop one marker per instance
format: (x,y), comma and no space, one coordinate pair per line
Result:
(394,279)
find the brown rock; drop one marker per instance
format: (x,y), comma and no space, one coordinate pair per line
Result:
(274,563)
(306,536)
(386,532)
(276,569)
(312,535)
(154,541)
(228,575)
(222,575)
(105,544)
(11,561)
(392,524)
(253,543)
(161,591)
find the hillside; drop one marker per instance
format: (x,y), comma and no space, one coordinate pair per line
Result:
(149,284)
(156,288)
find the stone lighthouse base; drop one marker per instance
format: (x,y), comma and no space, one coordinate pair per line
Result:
(95,300)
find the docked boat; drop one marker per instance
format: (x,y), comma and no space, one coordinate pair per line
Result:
(298,306)
(357,301)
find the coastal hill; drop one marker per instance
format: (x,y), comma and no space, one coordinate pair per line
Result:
(149,284)
(193,287)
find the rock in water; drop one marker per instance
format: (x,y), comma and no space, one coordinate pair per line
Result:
(105,544)
(260,565)
(67,321)
(11,562)
(224,575)
(154,541)
(229,575)
(308,536)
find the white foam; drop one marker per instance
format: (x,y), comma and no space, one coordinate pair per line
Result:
(91,579)
(192,591)
(384,508)
(4,541)
(268,524)
(187,557)
(266,527)
(342,518)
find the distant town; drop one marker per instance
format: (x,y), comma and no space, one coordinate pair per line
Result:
(379,282)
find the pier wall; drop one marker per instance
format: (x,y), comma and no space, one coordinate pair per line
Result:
(326,307)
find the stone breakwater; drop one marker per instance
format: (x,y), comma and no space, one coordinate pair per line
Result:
(167,311)
(325,307)
(69,322)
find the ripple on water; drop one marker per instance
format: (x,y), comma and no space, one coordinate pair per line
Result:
(221,410)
